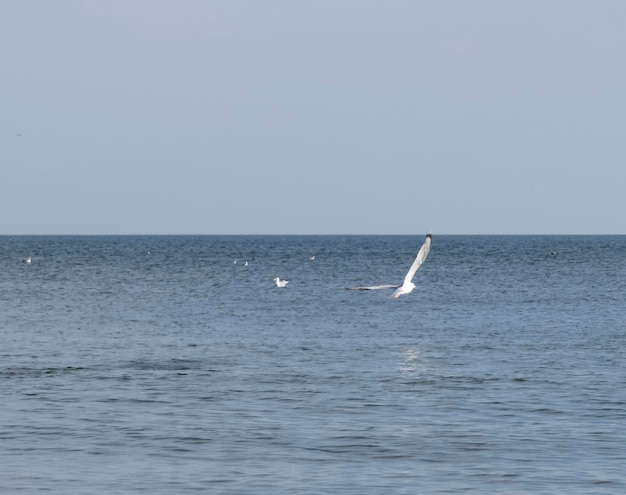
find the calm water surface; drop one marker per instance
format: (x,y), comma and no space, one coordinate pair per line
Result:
(158,365)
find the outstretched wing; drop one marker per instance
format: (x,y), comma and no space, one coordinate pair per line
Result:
(419,259)
(374,287)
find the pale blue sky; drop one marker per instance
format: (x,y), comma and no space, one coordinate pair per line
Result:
(312,117)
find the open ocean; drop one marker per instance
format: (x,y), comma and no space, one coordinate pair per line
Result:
(157,365)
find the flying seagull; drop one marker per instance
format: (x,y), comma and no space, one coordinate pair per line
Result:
(407,284)
(281,283)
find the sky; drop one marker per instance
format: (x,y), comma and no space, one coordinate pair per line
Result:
(312,117)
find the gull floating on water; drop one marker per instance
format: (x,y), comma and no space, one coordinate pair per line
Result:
(28,260)
(407,284)
(281,283)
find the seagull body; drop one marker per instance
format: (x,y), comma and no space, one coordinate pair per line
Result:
(407,284)
(281,283)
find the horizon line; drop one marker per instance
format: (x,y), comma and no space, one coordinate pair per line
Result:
(297,234)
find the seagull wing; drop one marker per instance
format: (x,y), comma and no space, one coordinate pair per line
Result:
(374,287)
(419,259)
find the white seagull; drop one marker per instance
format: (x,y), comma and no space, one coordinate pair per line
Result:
(281,283)
(407,284)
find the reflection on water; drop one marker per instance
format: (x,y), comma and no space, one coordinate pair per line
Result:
(411,362)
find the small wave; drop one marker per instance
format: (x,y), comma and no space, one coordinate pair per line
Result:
(165,365)
(24,372)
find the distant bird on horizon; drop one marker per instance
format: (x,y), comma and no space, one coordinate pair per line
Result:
(281,283)
(407,284)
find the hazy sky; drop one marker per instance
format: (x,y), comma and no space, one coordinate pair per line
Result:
(312,117)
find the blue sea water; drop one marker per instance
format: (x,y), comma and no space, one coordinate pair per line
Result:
(158,365)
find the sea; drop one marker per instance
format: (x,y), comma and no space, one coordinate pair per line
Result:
(174,365)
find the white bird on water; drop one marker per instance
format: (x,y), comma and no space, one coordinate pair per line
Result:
(281,283)
(407,284)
